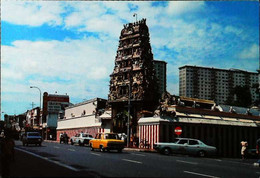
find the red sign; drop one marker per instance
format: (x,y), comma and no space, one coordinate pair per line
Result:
(178,130)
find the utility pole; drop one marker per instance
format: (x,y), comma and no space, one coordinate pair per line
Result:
(32,105)
(135,15)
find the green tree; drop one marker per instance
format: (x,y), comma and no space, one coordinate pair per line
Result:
(243,97)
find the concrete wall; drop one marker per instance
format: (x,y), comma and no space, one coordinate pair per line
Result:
(78,110)
(79,122)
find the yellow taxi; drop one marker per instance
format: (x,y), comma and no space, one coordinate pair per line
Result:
(107,142)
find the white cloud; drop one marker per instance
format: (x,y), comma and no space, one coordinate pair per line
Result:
(182,7)
(31,13)
(79,64)
(250,53)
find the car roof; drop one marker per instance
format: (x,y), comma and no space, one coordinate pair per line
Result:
(188,138)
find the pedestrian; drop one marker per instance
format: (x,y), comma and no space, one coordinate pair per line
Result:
(258,148)
(244,145)
(7,153)
(65,138)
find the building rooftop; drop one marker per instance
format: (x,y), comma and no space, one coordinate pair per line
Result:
(212,68)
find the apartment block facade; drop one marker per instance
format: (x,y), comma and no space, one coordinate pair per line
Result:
(160,73)
(215,84)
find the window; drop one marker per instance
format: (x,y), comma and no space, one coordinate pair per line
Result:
(193,142)
(98,136)
(183,141)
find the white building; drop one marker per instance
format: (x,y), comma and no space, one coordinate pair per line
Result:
(88,117)
(214,84)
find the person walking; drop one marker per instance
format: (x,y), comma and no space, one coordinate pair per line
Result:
(244,145)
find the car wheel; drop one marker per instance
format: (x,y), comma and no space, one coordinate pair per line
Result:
(119,150)
(40,144)
(80,144)
(201,153)
(91,148)
(23,144)
(166,151)
(102,149)
(71,142)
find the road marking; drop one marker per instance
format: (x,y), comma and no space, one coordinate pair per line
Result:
(56,147)
(47,159)
(132,161)
(137,154)
(95,154)
(186,162)
(71,149)
(204,175)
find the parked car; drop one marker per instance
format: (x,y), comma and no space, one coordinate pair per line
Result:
(31,138)
(107,142)
(81,139)
(186,146)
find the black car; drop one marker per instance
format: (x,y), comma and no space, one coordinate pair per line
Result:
(32,138)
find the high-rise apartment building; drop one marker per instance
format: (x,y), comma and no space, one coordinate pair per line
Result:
(215,84)
(160,73)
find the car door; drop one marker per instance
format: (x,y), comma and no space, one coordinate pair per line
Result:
(182,145)
(76,140)
(193,146)
(96,142)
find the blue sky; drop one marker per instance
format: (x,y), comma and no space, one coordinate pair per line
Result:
(70,47)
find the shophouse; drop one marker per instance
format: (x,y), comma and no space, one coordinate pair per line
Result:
(53,108)
(90,116)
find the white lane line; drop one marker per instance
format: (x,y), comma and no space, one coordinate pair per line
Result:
(56,147)
(95,154)
(213,159)
(132,161)
(203,175)
(186,162)
(137,154)
(71,149)
(47,159)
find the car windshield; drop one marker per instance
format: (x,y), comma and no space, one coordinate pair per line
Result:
(111,136)
(33,134)
(84,135)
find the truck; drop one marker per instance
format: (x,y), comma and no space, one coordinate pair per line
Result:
(81,139)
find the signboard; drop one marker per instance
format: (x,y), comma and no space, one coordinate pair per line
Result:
(178,130)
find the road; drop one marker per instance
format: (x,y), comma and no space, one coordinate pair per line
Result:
(137,164)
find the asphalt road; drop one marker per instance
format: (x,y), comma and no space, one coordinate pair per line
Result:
(82,161)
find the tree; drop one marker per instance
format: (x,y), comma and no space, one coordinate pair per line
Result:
(242,96)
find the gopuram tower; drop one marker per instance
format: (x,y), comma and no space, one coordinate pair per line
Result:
(134,73)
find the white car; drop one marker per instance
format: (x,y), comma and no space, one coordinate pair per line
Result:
(186,146)
(81,139)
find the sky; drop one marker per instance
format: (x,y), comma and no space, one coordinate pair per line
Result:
(69,47)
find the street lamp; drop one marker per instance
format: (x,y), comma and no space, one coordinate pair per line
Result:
(40,101)
(40,95)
